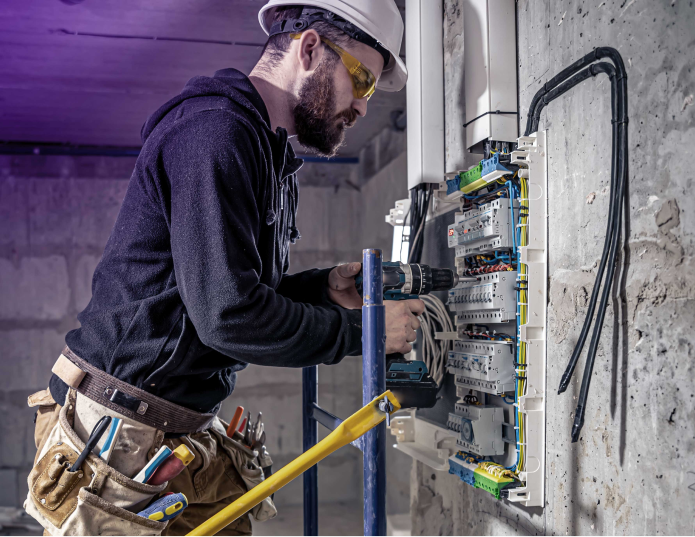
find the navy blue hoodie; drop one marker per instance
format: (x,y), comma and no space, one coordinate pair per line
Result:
(192,285)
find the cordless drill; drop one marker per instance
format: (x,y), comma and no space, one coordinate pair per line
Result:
(410,381)
(405,281)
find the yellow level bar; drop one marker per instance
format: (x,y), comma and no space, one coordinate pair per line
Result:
(350,430)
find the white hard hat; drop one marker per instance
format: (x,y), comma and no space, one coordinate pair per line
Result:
(380,19)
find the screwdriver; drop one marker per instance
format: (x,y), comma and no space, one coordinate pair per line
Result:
(94,437)
(166,507)
(172,466)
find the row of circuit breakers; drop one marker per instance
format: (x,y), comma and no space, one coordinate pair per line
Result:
(482,365)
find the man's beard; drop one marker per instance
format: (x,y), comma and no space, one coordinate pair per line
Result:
(318,128)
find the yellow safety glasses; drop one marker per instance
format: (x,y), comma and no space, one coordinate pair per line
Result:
(363,81)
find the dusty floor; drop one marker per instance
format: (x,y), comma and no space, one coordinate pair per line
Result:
(334,519)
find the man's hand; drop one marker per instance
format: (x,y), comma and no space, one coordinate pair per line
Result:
(341,286)
(401,324)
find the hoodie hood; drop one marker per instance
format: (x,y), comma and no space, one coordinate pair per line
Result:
(228,83)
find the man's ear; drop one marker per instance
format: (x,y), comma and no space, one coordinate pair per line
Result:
(309,51)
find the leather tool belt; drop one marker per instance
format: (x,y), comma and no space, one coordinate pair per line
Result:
(128,400)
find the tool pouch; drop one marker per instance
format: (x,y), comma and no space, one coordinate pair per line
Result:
(93,500)
(248,469)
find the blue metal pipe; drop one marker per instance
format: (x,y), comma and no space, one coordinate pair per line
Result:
(310,429)
(374,384)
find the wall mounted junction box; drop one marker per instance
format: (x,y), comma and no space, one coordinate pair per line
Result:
(489,35)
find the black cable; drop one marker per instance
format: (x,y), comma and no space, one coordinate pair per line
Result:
(421,197)
(621,195)
(485,114)
(598,325)
(567,376)
(558,85)
(595,55)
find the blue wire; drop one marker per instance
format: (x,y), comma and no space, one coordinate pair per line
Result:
(516,385)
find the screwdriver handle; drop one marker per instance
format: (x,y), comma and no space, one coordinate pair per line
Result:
(235,421)
(94,437)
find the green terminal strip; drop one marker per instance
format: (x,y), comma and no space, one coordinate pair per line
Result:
(490,483)
(471,176)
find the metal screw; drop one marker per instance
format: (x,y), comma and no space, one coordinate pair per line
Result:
(386,406)
(79,476)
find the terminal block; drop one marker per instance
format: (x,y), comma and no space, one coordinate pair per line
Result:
(478,428)
(486,366)
(470,473)
(462,468)
(491,483)
(486,229)
(491,299)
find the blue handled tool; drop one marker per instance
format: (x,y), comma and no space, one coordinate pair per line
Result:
(147,472)
(111,437)
(166,507)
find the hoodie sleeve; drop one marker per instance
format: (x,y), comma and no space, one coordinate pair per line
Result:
(215,225)
(309,286)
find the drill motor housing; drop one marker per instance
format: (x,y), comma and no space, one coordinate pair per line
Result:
(406,281)
(410,381)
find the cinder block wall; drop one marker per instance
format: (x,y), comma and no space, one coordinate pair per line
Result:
(56,214)
(632,472)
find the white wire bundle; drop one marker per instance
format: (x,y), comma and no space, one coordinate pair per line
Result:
(435,352)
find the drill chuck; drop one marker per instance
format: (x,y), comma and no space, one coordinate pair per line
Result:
(402,281)
(423,279)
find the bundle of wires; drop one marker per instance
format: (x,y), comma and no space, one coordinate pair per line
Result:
(568,78)
(522,317)
(420,198)
(497,470)
(435,352)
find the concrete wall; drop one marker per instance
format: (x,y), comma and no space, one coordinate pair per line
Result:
(56,214)
(633,471)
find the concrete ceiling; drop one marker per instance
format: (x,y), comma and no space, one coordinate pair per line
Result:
(89,72)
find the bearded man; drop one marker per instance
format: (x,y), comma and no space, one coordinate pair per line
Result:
(193,285)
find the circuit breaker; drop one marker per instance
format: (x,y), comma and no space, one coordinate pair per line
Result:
(486,366)
(487,228)
(491,299)
(479,428)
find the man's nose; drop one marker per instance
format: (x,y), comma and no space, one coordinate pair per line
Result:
(360,106)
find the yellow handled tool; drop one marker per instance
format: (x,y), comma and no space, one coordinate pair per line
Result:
(351,429)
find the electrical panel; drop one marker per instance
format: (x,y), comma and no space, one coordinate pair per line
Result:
(494,407)
(478,428)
